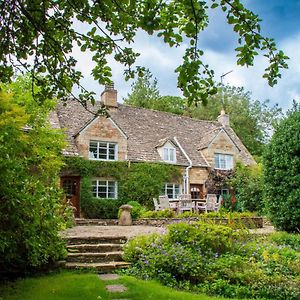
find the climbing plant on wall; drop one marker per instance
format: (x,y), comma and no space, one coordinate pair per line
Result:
(136,181)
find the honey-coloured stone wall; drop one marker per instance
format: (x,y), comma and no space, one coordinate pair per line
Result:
(101,129)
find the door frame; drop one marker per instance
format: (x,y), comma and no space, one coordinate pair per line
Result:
(75,199)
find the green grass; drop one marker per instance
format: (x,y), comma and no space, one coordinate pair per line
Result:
(87,286)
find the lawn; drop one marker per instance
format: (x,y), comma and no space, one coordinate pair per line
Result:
(87,286)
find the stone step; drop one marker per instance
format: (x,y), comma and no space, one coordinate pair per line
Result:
(75,240)
(89,257)
(100,267)
(82,248)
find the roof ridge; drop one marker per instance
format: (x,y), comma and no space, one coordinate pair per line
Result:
(169,113)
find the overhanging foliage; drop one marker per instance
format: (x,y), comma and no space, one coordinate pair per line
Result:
(39,36)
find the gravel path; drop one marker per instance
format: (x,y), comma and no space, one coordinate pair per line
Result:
(128,231)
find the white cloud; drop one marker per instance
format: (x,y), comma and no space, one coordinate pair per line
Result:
(162,61)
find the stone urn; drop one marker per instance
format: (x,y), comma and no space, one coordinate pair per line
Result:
(125,215)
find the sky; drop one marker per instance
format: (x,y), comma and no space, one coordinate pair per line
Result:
(280,20)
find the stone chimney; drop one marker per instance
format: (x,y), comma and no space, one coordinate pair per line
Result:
(223,118)
(109,96)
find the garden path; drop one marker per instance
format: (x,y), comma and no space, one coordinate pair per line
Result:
(115,231)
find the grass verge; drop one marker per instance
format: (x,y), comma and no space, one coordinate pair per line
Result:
(67,285)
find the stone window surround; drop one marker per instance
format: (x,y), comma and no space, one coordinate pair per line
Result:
(107,148)
(112,193)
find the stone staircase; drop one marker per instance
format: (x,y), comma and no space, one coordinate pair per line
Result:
(103,254)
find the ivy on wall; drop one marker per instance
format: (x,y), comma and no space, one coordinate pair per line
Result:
(136,181)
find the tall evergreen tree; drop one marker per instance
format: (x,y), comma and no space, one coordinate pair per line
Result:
(144,92)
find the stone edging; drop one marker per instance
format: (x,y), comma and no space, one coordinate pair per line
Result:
(257,222)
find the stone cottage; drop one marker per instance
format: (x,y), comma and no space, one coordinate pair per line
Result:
(141,135)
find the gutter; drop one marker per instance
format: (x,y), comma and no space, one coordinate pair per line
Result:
(186,178)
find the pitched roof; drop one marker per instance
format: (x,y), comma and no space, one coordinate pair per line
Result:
(146,129)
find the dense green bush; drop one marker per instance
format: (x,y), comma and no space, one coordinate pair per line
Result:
(281,174)
(31,211)
(137,209)
(157,214)
(248,187)
(217,260)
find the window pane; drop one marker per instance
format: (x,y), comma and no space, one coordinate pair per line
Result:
(177,190)
(93,150)
(102,145)
(166,154)
(94,191)
(102,153)
(111,154)
(217,165)
(172,156)
(229,162)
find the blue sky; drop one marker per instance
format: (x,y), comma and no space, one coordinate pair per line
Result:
(281,20)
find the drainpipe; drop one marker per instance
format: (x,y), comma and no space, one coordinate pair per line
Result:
(186,176)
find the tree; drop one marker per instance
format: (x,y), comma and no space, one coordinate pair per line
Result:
(282,173)
(30,198)
(144,92)
(253,121)
(39,36)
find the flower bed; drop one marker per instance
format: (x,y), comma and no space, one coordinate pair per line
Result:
(217,259)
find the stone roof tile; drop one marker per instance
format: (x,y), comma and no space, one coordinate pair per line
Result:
(146,128)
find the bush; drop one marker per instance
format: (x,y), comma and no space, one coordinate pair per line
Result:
(137,209)
(248,187)
(157,214)
(281,174)
(95,208)
(209,238)
(217,260)
(31,212)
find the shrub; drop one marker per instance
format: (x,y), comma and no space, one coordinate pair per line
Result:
(248,187)
(137,209)
(281,174)
(209,238)
(165,213)
(31,213)
(217,260)
(95,208)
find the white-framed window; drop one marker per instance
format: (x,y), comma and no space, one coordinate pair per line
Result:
(223,161)
(106,189)
(103,150)
(169,154)
(172,190)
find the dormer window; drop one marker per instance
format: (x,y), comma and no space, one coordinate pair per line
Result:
(223,161)
(169,154)
(99,150)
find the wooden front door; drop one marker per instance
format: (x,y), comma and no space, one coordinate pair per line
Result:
(197,191)
(71,187)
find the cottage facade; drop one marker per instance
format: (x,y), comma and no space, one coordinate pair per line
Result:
(141,135)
